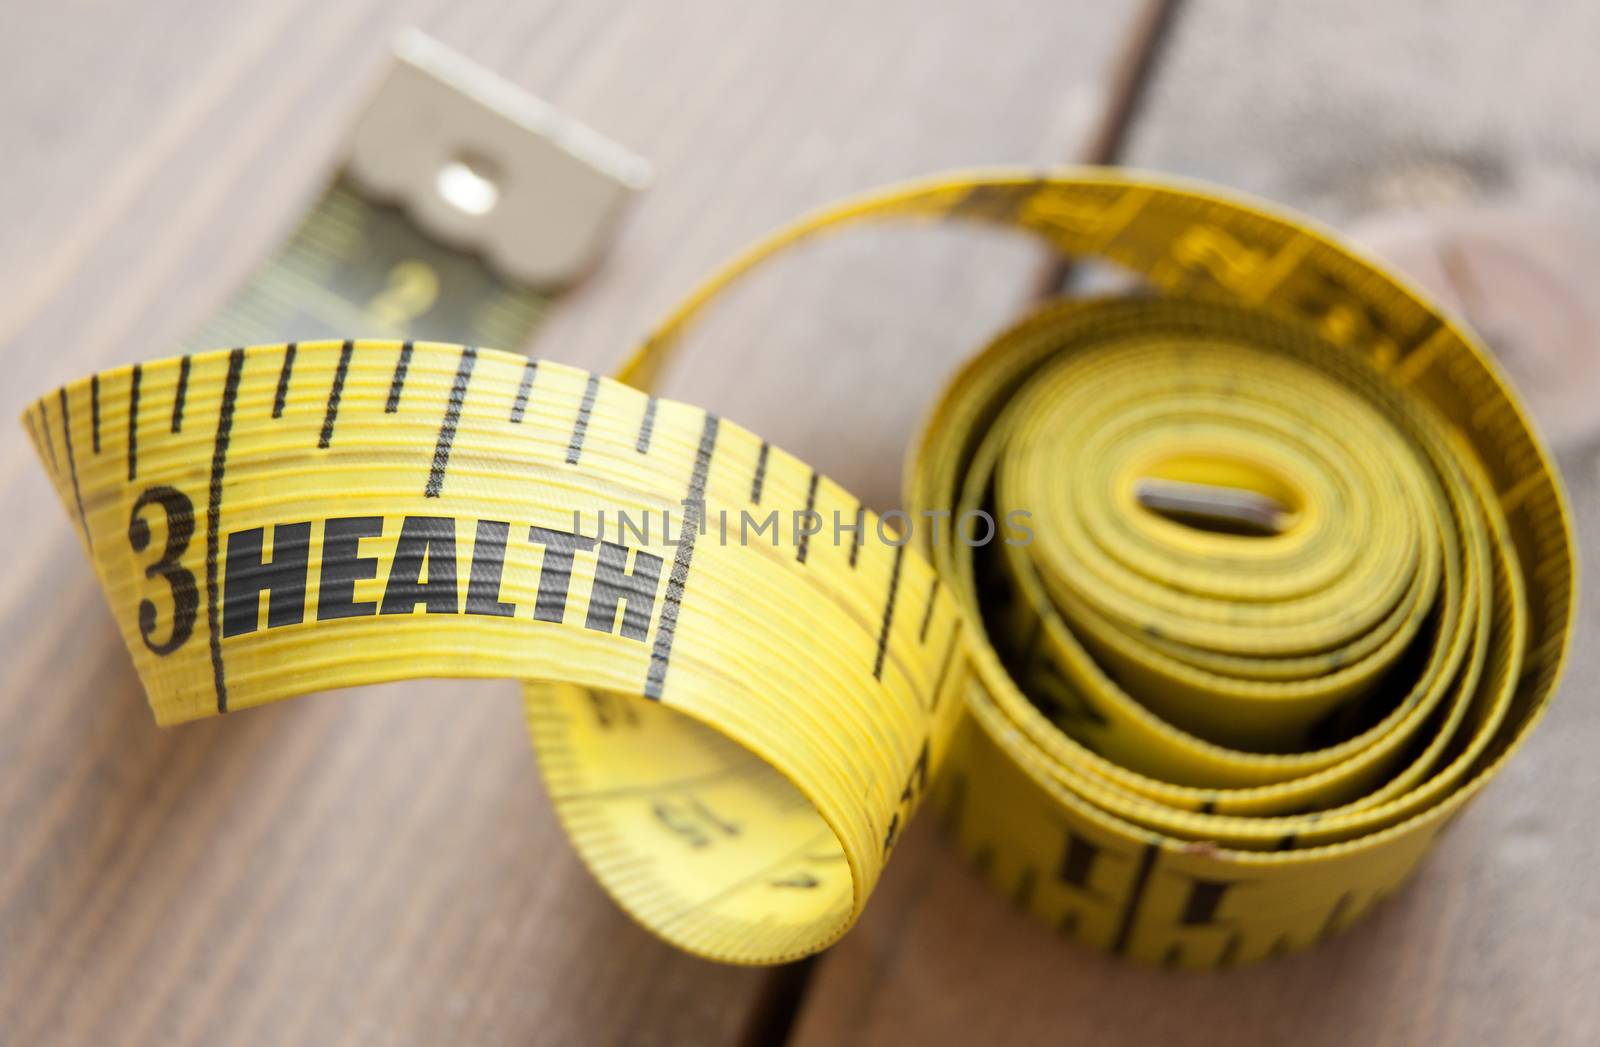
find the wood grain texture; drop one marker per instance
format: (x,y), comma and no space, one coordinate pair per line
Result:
(1450,138)
(383,867)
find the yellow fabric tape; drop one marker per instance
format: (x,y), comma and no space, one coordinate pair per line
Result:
(1168,739)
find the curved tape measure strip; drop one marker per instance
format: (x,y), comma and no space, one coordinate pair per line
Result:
(1193,747)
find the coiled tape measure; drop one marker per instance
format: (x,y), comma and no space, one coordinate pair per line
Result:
(1301,579)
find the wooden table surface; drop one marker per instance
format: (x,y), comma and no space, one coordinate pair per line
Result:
(382,866)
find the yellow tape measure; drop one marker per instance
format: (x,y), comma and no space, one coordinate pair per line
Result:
(1277,577)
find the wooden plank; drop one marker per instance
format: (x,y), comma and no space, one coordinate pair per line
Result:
(1359,111)
(385,867)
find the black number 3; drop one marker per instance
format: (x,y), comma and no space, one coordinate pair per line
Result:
(185,597)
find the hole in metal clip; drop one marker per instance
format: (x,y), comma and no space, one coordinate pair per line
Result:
(467,183)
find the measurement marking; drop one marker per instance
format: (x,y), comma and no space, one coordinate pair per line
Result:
(679,579)
(398,382)
(283,380)
(447,428)
(1499,412)
(1023,894)
(888,612)
(183,392)
(954,803)
(133,425)
(219,458)
(803,543)
(760,874)
(49,442)
(1035,641)
(1422,357)
(647,425)
(1277,269)
(33,429)
(1130,912)
(72,467)
(581,426)
(761,472)
(855,546)
(927,612)
(521,405)
(944,667)
(1512,498)
(334,393)
(94,410)
(1331,924)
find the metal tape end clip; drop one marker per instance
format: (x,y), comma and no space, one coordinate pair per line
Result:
(483,166)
